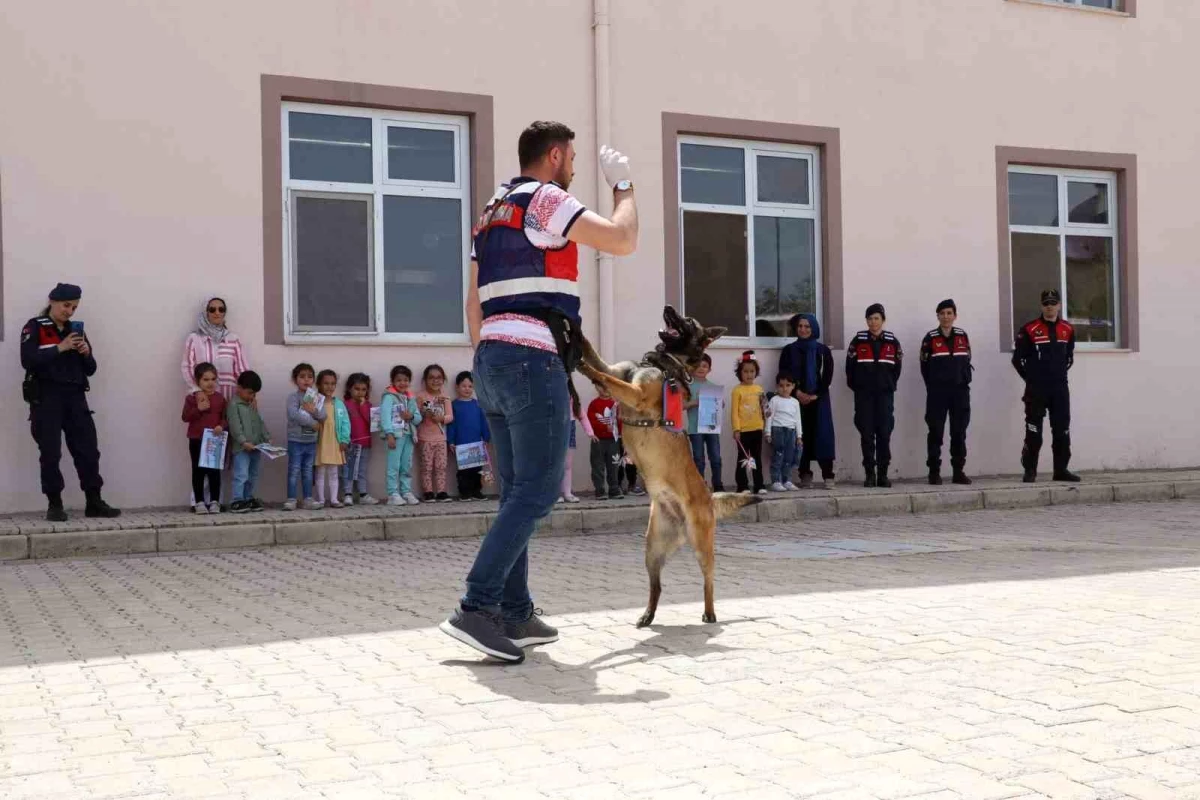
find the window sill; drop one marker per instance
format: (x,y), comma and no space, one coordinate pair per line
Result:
(740,343)
(377,340)
(1071,7)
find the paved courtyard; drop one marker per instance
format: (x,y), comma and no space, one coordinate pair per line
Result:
(1043,653)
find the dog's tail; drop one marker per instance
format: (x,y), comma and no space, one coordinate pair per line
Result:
(726,504)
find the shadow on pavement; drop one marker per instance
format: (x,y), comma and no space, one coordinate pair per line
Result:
(544,679)
(63,611)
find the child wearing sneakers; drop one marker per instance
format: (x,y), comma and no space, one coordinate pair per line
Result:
(398,421)
(467,426)
(606,444)
(202,410)
(783,432)
(357,401)
(436,414)
(246,432)
(305,413)
(576,414)
(747,414)
(333,439)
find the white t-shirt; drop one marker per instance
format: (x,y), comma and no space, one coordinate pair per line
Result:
(785,412)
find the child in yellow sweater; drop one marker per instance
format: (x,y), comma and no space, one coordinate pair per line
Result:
(746,407)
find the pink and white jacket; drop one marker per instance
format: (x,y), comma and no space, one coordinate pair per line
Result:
(227,357)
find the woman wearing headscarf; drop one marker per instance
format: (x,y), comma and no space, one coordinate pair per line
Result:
(211,341)
(811,364)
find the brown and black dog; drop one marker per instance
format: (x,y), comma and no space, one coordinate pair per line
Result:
(681,505)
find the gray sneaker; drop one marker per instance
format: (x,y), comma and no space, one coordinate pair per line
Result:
(530,632)
(484,631)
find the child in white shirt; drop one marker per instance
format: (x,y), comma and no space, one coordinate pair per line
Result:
(783,432)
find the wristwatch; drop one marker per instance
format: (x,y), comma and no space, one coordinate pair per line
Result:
(623,185)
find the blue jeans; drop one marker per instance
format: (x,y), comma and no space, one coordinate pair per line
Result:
(354,471)
(301,456)
(523,392)
(783,453)
(711,442)
(245,474)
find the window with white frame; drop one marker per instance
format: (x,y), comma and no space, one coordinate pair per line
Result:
(750,233)
(1063,234)
(376,221)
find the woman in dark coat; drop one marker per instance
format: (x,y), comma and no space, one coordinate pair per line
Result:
(811,364)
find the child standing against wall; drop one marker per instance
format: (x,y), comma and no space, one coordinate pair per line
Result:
(305,413)
(606,444)
(783,433)
(436,413)
(748,422)
(467,426)
(398,420)
(333,439)
(568,496)
(203,410)
(246,432)
(354,472)
(702,441)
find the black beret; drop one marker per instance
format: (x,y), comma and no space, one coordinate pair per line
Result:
(66,291)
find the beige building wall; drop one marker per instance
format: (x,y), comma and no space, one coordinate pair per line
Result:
(131,163)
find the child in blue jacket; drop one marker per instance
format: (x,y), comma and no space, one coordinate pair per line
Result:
(398,421)
(469,427)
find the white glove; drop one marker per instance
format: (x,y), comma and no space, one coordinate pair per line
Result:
(614,165)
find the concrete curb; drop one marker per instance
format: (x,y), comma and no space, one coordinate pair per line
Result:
(107,538)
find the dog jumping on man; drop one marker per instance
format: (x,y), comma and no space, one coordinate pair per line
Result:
(681,504)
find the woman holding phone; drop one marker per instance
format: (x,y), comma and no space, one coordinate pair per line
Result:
(58,361)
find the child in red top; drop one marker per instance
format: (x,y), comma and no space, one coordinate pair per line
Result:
(358,453)
(201,410)
(606,444)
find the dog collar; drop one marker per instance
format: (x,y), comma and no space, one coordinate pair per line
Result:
(648,423)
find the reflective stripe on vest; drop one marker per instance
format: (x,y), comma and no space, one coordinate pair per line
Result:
(515,274)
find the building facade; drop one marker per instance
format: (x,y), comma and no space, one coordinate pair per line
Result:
(318,165)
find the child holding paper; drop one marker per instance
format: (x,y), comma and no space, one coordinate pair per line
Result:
(333,439)
(203,410)
(708,439)
(436,414)
(398,420)
(467,426)
(246,432)
(305,413)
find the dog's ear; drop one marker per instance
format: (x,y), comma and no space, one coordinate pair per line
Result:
(713,333)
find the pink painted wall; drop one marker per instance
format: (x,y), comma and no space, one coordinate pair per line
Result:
(130,160)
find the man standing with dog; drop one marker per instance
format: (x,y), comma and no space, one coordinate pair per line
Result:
(523,314)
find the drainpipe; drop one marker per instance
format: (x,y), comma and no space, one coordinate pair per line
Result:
(604,199)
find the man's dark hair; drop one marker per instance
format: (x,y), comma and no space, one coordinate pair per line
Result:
(538,138)
(250,380)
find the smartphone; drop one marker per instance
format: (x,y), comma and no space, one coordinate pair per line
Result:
(77,326)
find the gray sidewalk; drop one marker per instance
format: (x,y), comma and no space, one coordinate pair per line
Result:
(26,536)
(1028,654)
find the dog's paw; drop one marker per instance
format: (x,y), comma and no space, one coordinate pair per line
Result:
(709,617)
(645,619)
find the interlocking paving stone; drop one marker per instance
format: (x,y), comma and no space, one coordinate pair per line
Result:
(988,654)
